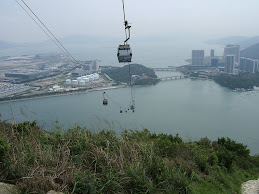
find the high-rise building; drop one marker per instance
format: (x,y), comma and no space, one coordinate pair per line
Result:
(232,50)
(256,68)
(212,53)
(212,56)
(242,64)
(229,64)
(214,62)
(95,65)
(197,57)
(250,65)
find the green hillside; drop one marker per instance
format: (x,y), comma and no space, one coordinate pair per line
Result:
(121,74)
(251,52)
(242,80)
(80,161)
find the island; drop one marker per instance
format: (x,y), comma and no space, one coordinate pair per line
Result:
(139,74)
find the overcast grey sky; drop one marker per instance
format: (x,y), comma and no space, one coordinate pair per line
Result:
(176,18)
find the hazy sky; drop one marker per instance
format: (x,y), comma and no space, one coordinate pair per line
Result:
(176,18)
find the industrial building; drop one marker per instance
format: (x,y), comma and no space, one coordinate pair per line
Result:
(27,74)
(83,80)
(92,66)
(79,73)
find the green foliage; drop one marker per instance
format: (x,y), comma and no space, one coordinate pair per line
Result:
(242,80)
(146,81)
(85,184)
(3,148)
(238,148)
(121,74)
(225,158)
(205,142)
(80,161)
(213,159)
(25,126)
(6,169)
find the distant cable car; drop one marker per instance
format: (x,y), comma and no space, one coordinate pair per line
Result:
(132,107)
(124,53)
(105,100)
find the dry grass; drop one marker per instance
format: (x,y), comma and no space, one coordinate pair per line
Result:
(79,161)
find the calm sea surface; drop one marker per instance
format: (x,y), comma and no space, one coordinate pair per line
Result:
(192,108)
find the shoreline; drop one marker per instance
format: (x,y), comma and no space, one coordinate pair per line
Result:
(67,94)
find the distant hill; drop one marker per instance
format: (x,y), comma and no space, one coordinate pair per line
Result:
(227,40)
(251,52)
(6,44)
(242,80)
(248,42)
(90,40)
(244,42)
(121,74)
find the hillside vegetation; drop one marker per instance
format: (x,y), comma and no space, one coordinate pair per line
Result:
(80,161)
(242,80)
(251,52)
(122,74)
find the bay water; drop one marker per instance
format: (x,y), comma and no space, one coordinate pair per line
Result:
(190,107)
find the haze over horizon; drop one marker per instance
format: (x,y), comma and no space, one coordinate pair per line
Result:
(173,19)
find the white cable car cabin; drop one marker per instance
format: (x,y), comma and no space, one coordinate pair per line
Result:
(124,53)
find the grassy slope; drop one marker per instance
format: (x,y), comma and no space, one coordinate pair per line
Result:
(78,161)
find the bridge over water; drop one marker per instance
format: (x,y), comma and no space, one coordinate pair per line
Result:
(173,77)
(164,68)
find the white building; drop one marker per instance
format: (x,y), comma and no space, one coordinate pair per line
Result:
(232,50)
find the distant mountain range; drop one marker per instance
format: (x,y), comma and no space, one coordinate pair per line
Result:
(249,45)
(243,41)
(251,52)
(6,44)
(70,40)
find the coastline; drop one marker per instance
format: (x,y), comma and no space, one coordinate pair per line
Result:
(67,94)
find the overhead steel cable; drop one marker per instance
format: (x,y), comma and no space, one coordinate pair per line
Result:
(123,10)
(127,27)
(39,26)
(49,33)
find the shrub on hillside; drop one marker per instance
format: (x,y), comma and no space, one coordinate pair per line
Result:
(3,149)
(238,148)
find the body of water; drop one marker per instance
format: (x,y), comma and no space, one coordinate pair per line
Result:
(193,108)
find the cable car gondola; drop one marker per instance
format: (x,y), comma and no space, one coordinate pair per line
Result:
(124,53)
(105,100)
